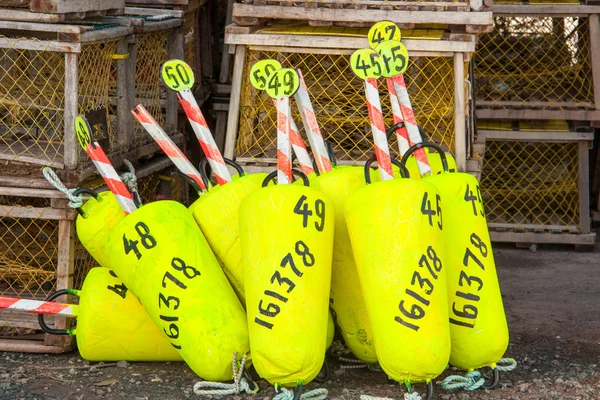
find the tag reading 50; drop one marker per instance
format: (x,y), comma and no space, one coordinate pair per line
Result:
(382,31)
(83,131)
(284,82)
(261,72)
(177,75)
(366,63)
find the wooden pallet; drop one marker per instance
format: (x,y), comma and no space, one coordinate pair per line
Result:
(59,10)
(364,13)
(181,5)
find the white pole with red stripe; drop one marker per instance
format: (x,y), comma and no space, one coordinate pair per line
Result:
(298,147)
(401,133)
(206,139)
(38,307)
(382,150)
(284,148)
(311,126)
(166,144)
(410,122)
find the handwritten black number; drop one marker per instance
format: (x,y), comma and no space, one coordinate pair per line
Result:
(180,265)
(289,260)
(167,301)
(303,210)
(469,279)
(173,331)
(172,279)
(307,258)
(320,211)
(281,280)
(121,289)
(147,240)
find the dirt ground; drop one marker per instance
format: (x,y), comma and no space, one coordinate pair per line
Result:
(552,301)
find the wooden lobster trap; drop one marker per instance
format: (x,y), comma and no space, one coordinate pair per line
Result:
(539,66)
(471,15)
(435,80)
(58,10)
(40,252)
(535,182)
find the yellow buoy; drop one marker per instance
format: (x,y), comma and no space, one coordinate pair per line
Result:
(395,231)
(97,217)
(161,255)
(112,325)
(347,299)
(216,213)
(478,324)
(286,233)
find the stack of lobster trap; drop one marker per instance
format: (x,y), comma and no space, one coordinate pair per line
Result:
(537,96)
(318,36)
(58,62)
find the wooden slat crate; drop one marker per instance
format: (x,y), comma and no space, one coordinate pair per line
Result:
(408,14)
(58,10)
(540,66)
(535,185)
(435,80)
(39,251)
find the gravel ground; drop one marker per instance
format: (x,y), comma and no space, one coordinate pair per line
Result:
(552,300)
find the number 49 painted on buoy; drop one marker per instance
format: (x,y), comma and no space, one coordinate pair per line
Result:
(301,208)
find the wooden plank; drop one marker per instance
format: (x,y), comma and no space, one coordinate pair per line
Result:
(533,104)
(594,22)
(234,102)
(543,10)
(159,2)
(9,14)
(534,237)
(585,223)
(570,228)
(559,137)
(226,57)
(335,44)
(71,88)
(74,6)
(153,12)
(366,16)
(155,26)
(576,115)
(460,133)
(17,181)
(175,50)
(26,192)
(105,34)
(42,27)
(34,213)
(28,346)
(39,45)
(124,119)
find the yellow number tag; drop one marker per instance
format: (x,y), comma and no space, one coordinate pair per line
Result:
(261,72)
(83,131)
(382,31)
(284,82)
(366,63)
(177,75)
(394,57)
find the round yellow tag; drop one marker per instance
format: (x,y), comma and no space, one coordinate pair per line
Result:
(382,31)
(284,82)
(177,75)
(394,57)
(83,131)
(366,63)
(261,72)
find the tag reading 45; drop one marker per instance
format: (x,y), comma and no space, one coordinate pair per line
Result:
(382,31)
(366,63)
(284,82)
(262,71)
(177,75)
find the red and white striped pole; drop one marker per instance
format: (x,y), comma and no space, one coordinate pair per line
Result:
(206,139)
(411,124)
(38,307)
(309,120)
(401,133)
(166,144)
(298,147)
(284,148)
(382,150)
(111,177)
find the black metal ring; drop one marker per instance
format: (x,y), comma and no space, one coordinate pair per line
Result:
(327,372)
(403,170)
(429,390)
(330,152)
(295,172)
(251,382)
(315,167)
(430,145)
(206,170)
(393,129)
(41,320)
(298,391)
(191,181)
(495,380)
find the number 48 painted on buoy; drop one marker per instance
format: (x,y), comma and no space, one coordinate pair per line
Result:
(301,208)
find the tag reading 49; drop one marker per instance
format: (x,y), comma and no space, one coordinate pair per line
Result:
(83,131)
(284,82)
(366,63)
(262,71)
(177,75)
(382,31)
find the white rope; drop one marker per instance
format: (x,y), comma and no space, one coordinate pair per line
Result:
(407,396)
(239,385)
(130,180)
(506,364)
(316,394)
(74,200)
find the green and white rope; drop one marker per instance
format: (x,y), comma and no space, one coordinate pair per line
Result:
(75,201)
(316,394)
(506,364)
(239,385)
(472,381)
(130,180)
(407,396)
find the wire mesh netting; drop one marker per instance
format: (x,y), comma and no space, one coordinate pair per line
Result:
(32,97)
(29,257)
(150,92)
(531,183)
(338,99)
(535,61)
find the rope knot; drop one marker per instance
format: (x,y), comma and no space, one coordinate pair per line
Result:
(240,384)
(472,381)
(506,364)
(287,394)
(129,179)
(75,201)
